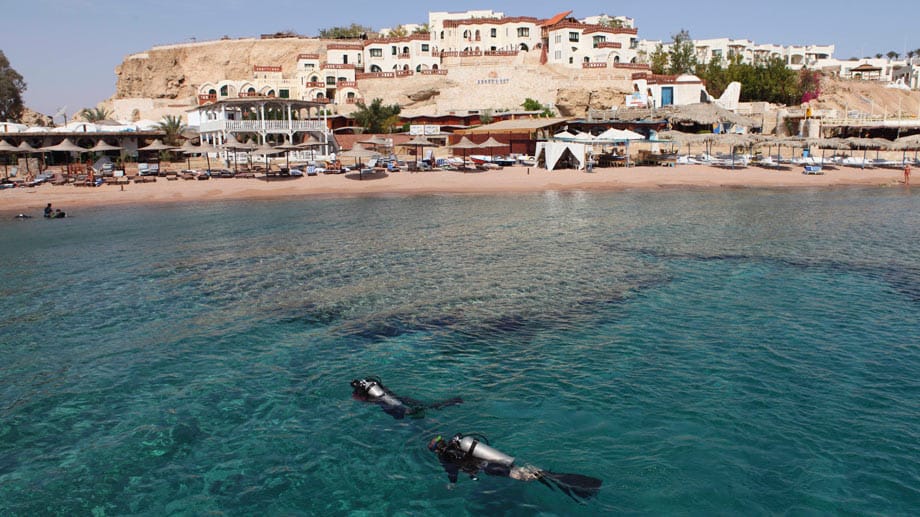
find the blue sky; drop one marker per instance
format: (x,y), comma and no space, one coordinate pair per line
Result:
(67,50)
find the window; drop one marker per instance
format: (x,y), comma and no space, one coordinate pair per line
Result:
(558,55)
(284,94)
(573,36)
(405,50)
(224,90)
(523,32)
(345,59)
(330,81)
(558,38)
(442,34)
(571,60)
(587,59)
(466,34)
(394,50)
(308,66)
(478,37)
(633,43)
(314,79)
(493,33)
(598,40)
(375,69)
(376,52)
(425,47)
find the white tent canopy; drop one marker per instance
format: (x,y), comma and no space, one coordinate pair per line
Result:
(553,152)
(613,134)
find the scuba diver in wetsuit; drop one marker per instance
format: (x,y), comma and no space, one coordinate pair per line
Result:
(371,389)
(469,454)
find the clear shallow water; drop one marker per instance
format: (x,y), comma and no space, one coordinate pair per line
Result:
(702,352)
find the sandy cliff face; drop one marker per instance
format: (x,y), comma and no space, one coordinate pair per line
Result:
(165,81)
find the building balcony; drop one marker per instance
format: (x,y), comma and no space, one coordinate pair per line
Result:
(353,100)
(205,98)
(314,84)
(338,66)
(404,56)
(307,57)
(256,126)
(594,65)
(440,71)
(346,84)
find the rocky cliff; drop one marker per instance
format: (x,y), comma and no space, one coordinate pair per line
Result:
(165,80)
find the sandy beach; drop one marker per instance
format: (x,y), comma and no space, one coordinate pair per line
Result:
(508,180)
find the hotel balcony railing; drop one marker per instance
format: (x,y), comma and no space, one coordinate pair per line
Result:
(255,126)
(375,75)
(205,98)
(440,71)
(338,66)
(310,57)
(347,84)
(315,84)
(502,53)
(632,66)
(404,73)
(353,100)
(594,65)
(404,56)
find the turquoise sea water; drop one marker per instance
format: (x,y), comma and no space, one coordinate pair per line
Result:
(739,352)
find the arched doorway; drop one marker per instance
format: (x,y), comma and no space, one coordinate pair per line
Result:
(524,47)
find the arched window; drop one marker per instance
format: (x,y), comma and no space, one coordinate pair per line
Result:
(442,34)
(314,79)
(524,47)
(320,95)
(434,66)
(405,50)
(418,68)
(251,90)
(477,35)
(406,68)
(212,92)
(351,95)
(616,59)
(587,59)
(224,90)
(375,69)
(466,34)
(271,93)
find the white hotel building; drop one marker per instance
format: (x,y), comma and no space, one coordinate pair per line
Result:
(561,41)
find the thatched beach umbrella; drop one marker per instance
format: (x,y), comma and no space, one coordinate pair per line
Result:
(358,152)
(734,140)
(267,150)
(419,142)
(24,147)
(6,148)
(465,144)
(703,114)
(491,143)
(66,146)
(910,142)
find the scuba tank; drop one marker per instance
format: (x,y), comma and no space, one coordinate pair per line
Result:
(370,386)
(479,450)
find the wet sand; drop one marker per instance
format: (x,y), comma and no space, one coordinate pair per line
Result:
(508,180)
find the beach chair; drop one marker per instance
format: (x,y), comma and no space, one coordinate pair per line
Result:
(812,169)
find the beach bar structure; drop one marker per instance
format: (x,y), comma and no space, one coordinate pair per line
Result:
(290,119)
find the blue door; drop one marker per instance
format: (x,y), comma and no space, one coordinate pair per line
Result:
(667,95)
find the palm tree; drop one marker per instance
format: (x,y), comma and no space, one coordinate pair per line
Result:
(374,117)
(422,29)
(95,114)
(892,55)
(173,127)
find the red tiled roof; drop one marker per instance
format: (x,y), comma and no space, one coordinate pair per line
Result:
(556,19)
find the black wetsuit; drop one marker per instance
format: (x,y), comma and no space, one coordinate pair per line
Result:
(392,404)
(454,460)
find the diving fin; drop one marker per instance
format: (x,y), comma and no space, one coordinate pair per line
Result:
(573,485)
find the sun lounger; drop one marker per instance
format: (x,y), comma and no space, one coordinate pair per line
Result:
(812,169)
